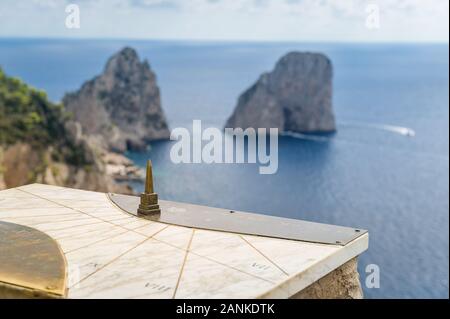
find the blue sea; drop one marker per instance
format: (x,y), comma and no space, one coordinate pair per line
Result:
(370,174)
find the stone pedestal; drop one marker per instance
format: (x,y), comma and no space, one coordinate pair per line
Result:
(341,283)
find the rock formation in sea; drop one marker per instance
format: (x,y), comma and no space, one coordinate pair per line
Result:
(121,106)
(295,97)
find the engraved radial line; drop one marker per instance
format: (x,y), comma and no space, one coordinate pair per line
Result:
(75,209)
(28,216)
(83,232)
(231,267)
(215,261)
(18,221)
(95,242)
(184,262)
(115,219)
(260,252)
(53,222)
(149,223)
(117,257)
(22,208)
(65,227)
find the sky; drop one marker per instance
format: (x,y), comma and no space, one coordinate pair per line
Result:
(240,20)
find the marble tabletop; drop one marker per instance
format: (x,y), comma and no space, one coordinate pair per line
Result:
(111,254)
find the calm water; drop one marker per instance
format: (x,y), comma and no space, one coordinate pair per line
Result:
(367,175)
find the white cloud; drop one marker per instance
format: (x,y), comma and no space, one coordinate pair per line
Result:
(298,20)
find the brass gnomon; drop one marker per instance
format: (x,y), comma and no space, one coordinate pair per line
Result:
(149,199)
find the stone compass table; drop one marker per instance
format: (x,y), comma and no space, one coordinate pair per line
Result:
(66,243)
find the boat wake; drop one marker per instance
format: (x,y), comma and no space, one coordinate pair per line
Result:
(405,131)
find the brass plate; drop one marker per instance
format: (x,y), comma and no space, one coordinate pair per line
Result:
(31,263)
(203,217)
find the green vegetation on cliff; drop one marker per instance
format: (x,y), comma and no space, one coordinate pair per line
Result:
(26,115)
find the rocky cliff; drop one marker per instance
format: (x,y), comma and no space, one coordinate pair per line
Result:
(122,105)
(38,143)
(296,96)
(22,163)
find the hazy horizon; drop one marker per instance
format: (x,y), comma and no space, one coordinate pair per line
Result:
(271,41)
(350,21)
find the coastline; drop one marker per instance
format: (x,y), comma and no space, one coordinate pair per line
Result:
(122,169)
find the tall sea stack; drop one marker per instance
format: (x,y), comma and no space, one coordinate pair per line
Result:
(295,97)
(121,106)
